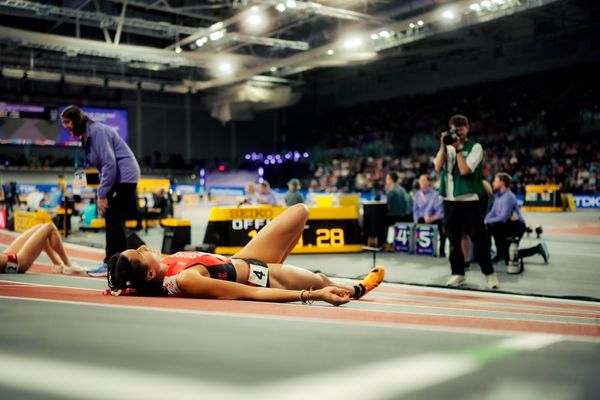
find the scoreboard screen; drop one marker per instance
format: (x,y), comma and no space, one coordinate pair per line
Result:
(328,230)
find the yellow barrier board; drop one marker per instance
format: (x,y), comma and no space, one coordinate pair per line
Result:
(152,185)
(26,219)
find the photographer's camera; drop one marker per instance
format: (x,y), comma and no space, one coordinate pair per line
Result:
(450,137)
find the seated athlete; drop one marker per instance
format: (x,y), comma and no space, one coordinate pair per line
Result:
(26,248)
(255,273)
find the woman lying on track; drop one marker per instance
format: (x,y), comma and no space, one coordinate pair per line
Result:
(255,273)
(26,248)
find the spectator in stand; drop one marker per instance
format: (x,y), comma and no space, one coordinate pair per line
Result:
(251,197)
(396,200)
(293,195)
(505,220)
(265,194)
(422,198)
(434,214)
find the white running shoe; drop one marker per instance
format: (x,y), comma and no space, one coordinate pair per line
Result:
(491,281)
(73,269)
(456,281)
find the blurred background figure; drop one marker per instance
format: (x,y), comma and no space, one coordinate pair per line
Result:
(293,196)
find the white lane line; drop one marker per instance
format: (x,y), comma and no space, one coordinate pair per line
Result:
(378,380)
(303,320)
(87,381)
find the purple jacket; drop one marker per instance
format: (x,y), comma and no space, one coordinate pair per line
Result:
(435,208)
(505,206)
(421,200)
(115,161)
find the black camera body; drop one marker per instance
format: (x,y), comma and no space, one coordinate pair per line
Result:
(450,137)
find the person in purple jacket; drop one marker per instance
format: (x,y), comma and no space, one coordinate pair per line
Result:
(505,220)
(119,175)
(428,208)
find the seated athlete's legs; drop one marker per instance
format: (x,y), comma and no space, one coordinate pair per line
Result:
(18,243)
(275,241)
(56,246)
(33,246)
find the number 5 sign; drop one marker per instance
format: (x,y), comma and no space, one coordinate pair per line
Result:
(426,240)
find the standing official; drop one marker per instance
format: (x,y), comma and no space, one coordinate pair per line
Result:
(119,175)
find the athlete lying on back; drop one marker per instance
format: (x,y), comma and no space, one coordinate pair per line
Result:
(257,272)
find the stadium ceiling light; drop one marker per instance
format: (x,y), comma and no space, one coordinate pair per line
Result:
(200,42)
(177,49)
(475,7)
(280,7)
(498,1)
(217,35)
(255,19)
(352,43)
(225,68)
(384,34)
(420,22)
(330,52)
(290,4)
(486,3)
(412,26)
(374,36)
(449,15)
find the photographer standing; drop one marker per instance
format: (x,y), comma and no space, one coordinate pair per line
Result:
(459,160)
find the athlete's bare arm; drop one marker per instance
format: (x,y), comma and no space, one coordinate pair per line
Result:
(193,284)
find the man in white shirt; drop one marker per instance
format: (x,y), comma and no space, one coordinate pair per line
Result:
(459,163)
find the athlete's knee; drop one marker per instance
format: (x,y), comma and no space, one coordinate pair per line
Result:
(301,209)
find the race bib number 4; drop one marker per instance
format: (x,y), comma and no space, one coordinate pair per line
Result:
(259,275)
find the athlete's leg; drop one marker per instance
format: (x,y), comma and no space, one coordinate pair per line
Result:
(56,245)
(285,276)
(294,278)
(52,254)
(275,241)
(18,243)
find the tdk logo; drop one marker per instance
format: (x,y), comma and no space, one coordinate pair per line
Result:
(587,201)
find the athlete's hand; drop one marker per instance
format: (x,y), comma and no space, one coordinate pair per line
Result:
(332,295)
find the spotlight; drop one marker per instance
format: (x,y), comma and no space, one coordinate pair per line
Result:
(475,7)
(177,49)
(420,23)
(384,34)
(412,26)
(200,42)
(280,7)
(486,3)
(374,36)
(290,4)
(329,52)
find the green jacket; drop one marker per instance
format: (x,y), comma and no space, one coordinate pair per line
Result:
(463,184)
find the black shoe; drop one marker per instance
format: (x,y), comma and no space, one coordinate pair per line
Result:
(543,251)
(467,266)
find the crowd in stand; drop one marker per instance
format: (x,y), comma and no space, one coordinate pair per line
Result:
(537,129)
(575,166)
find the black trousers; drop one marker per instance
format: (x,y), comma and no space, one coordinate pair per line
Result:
(465,216)
(502,230)
(122,205)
